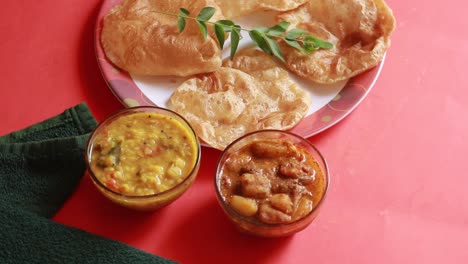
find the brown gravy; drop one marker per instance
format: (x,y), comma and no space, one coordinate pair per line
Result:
(272,181)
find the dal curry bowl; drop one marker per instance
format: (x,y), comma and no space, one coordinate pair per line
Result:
(271,183)
(143,157)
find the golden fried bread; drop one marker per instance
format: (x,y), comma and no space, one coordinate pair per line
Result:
(237,8)
(254,94)
(143,42)
(359,30)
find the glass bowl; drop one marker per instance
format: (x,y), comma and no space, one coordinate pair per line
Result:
(143,157)
(258,188)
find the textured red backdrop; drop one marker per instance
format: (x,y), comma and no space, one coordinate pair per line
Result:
(399,176)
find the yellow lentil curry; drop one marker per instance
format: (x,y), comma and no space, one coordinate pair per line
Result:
(143,154)
(272,182)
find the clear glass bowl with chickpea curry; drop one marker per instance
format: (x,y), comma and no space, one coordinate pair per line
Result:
(143,157)
(271,183)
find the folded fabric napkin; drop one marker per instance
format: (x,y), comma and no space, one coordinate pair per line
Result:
(40,166)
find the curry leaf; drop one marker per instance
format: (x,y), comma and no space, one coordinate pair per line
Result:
(206,13)
(235,37)
(258,38)
(275,49)
(184,12)
(260,29)
(295,33)
(321,44)
(220,34)
(181,18)
(203,29)
(228,24)
(296,45)
(181,23)
(278,29)
(309,47)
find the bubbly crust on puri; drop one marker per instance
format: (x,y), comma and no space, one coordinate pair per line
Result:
(237,8)
(359,30)
(246,94)
(144,42)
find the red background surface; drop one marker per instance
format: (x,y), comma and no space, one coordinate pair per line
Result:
(398,167)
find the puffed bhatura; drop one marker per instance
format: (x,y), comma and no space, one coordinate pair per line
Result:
(144,42)
(359,30)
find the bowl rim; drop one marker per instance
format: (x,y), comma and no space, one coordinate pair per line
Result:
(259,224)
(139,109)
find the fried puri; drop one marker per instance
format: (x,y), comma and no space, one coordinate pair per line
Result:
(144,42)
(359,30)
(237,8)
(247,94)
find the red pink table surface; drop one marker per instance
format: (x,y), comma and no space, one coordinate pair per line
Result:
(399,172)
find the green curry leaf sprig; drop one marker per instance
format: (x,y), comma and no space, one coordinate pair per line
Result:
(265,38)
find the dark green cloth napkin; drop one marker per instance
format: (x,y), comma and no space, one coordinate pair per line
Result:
(40,166)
